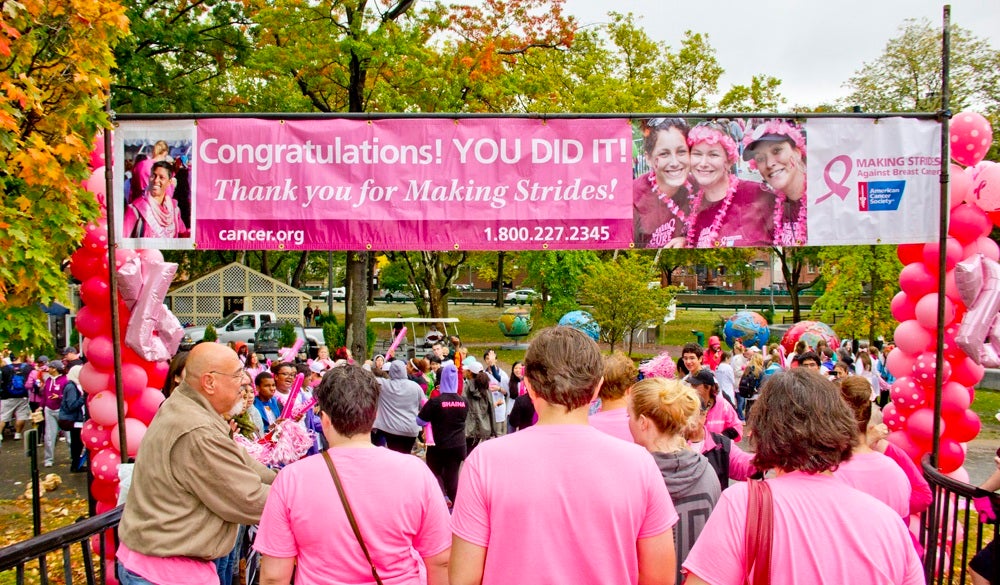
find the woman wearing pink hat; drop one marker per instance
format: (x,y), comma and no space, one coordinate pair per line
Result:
(725,211)
(777,149)
(660,197)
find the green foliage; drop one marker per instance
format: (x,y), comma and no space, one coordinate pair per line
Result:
(861,281)
(621,299)
(288,336)
(761,95)
(907,75)
(557,276)
(692,74)
(210,334)
(333,332)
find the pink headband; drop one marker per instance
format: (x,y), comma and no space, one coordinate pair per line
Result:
(712,136)
(780,128)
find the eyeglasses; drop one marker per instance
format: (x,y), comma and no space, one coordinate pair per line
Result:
(717,125)
(233,376)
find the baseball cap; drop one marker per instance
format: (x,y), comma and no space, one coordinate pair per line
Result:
(43,359)
(56,365)
(703,377)
(69,349)
(472,365)
(754,349)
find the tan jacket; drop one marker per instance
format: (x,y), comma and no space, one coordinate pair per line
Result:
(192,484)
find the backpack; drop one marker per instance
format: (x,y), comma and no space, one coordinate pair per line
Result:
(19,382)
(749,384)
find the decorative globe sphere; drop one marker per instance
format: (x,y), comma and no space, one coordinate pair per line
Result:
(583,321)
(515,322)
(746,326)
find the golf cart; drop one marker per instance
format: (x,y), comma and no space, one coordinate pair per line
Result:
(417,329)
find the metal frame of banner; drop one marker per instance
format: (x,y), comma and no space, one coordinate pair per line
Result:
(531,116)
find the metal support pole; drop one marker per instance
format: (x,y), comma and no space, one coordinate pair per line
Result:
(116,342)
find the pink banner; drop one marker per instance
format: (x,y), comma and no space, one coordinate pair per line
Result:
(412,184)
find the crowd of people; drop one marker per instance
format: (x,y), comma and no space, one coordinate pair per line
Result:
(571,466)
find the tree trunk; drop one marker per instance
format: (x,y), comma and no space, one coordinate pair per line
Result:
(356,304)
(371,279)
(300,269)
(500,299)
(265,268)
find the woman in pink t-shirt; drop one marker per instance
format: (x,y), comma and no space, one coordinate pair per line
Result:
(397,502)
(824,531)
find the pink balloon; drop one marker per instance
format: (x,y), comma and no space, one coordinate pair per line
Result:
(97,184)
(103,491)
(907,395)
(971,137)
(904,442)
(986,187)
(84,263)
(123,255)
(96,236)
(94,380)
(967,372)
(916,281)
(101,353)
(901,307)
(104,465)
(134,380)
(955,398)
(926,311)
(968,223)
(951,287)
(95,436)
(953,254)
(144,407)
(910,253)
(890,416)
(95,291)
(134,432)
(925,366)
(951,456)
(92,322)
(97,154)
(150,255)
(982,245)
(899,363)
(912,337)
(952,351)
(960,184)
(104,409)
(964,426)
(920,426)
(157,373)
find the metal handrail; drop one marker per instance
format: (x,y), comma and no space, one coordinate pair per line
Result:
(16,556)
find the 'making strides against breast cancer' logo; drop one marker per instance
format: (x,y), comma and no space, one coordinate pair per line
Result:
(872,195)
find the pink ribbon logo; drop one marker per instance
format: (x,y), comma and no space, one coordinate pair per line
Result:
(837,187)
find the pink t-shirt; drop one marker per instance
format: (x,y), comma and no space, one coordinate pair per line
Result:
(560,504)
(824,532)
(920,490)
(178,570)
(723,416)
(877,475)
(397,502)
(613,422)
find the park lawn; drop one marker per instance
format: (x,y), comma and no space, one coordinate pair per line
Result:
(986,405)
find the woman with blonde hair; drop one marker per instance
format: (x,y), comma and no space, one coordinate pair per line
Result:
(660,411)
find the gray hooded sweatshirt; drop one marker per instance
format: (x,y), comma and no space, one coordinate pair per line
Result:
(694,490)
(398,403)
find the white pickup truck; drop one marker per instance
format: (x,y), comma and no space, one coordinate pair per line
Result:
(236,326)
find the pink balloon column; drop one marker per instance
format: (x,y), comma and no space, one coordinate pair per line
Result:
(974,192)
(140,378)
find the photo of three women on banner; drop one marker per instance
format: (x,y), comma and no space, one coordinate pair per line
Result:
(720,183)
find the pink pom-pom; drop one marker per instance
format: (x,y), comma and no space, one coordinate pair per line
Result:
(662,366)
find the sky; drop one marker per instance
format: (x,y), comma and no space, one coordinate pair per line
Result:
(814,46)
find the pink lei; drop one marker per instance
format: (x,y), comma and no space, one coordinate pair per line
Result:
(663,234)
(789,233)
(709,237)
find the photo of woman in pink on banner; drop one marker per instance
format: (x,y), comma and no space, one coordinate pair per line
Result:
(721,183)
(153,170)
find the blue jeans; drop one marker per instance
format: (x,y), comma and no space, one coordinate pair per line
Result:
(741,404)
(228,565)
(126,577)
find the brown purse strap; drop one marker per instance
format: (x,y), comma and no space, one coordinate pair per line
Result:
(350,514)
(760,525)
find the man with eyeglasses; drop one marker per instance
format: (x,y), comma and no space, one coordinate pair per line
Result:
(192,485)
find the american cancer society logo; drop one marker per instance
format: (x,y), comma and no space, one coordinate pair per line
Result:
(880,195)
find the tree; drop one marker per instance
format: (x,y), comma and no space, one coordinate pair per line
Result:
(55,65)
(907,75)
(433,273)
(861,281)
(621,299)
(692,74)
(761,95)
(178,53)
(793,262)
(558,276)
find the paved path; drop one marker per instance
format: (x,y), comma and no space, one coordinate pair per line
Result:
(15,471)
